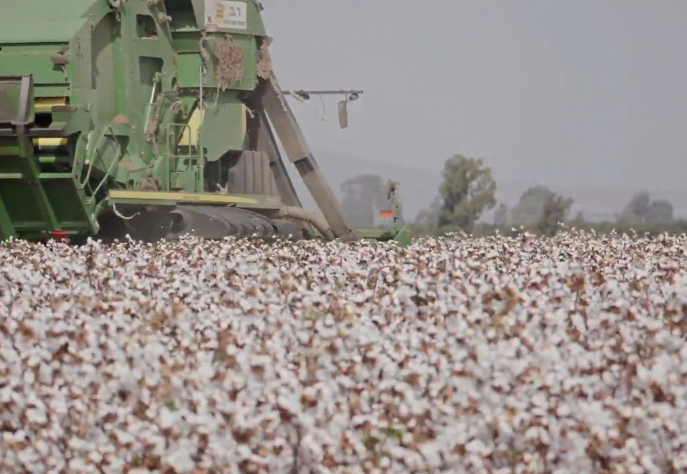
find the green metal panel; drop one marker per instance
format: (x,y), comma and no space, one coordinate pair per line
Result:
(188,66)
(23,194)
(224,126)
(39,10)
(30,48)
(8,148)
(59,31)
(32,202)
(31,63)
(52,90)
(25,21)
(67,201)
(186,42)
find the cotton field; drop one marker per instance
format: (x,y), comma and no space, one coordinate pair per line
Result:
(500,355)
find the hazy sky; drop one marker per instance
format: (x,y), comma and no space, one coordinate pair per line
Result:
(565,91)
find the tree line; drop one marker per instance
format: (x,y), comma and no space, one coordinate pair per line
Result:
(468,190)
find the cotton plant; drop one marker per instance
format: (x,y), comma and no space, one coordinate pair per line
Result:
(485,355)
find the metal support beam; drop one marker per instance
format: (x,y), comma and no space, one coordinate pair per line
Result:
(267,143)
(299,153)
(260,137)
(302,93)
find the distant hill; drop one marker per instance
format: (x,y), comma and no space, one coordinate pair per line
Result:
(419,186)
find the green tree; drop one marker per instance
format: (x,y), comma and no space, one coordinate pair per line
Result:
(643,210)
(637,210)
(468,189)
(363,197)
(660,212)
(530,208)
(555,211)
(542,208)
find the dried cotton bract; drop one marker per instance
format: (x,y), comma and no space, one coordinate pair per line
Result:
(497,355)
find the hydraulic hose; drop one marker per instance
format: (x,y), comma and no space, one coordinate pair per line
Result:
(310,217)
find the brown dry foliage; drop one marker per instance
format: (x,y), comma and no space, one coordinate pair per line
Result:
(264,62)
(229,66)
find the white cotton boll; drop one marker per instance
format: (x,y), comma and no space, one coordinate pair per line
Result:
(180,459)
(37,416)
(463,354)
(563,410)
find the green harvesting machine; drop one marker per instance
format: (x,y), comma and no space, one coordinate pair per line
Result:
(152,118)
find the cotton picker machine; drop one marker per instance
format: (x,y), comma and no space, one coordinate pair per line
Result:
(153,118)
